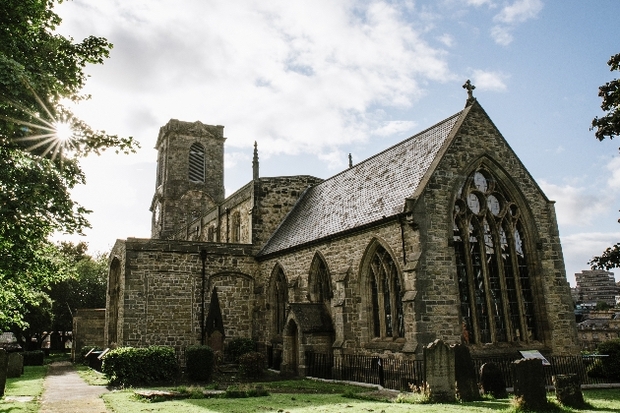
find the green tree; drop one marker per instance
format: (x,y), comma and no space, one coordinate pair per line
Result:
(39,69)
(608,126)
(84,288)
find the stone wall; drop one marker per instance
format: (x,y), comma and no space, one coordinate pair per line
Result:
(162,289)
(88,329)
(479,142)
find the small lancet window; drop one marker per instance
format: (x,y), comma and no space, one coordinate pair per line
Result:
(197,163)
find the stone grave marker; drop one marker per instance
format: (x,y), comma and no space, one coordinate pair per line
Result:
(465,372)
(529,384)
(492,381)
(568,390)
(439,370)
(4,360)
(15,365)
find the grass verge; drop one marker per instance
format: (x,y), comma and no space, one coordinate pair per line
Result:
(27,388)
(309,396)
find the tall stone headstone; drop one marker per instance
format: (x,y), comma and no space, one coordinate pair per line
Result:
(529,384)
(439,371)
(15,365)
(4,360)
(465,372)
(492,381)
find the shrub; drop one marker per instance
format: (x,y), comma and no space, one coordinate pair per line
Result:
(128,366)
(33,358)
(200,362)
(239,346)
(241,391)
(610,364)
(252,364)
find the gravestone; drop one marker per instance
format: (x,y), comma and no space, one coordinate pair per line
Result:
(568,390)
(492,381)
(439,371)
(465,372)
(529,384)
(15,366)
(216,341)
(4,360)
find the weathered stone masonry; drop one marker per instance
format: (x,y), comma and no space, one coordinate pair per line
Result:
(365,260)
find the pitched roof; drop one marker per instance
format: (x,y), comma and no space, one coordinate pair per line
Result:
(368,192)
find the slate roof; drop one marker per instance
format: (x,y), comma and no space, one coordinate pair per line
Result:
(368,192)
(312,317)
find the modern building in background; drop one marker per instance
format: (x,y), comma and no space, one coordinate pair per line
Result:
(594,286)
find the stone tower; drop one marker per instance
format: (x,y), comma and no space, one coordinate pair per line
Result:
(190,175)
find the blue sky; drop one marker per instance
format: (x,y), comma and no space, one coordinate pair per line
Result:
(312,81)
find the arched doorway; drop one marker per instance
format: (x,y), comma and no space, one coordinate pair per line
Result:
(290,362)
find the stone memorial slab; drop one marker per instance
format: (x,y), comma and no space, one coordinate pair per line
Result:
(529,384)
(492,381)
(465,373)
(439,370)
(15,366)
(4,359)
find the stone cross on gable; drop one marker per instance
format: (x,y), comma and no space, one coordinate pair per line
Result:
(470,92)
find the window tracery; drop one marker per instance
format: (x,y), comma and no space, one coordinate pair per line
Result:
(385,296)
(496,300)
(319,281)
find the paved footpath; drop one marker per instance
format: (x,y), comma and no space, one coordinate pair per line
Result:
(64,391)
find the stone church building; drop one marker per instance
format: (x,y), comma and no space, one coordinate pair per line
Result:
(442,236)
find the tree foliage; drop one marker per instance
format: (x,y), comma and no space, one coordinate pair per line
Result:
(609,126)
(40,69)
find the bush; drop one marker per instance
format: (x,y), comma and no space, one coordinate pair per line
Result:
(238,347)
(237,392)
(200,362)
(128,366)
(252,364)
(610,364)
(33,358)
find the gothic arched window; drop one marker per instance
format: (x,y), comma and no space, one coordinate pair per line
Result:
(385,295)
(496,299)
(279,300)
(319,281)
(197,163)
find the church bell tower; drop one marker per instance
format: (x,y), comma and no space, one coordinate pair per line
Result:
(190,175)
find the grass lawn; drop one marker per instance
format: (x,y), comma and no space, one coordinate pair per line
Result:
(302,396)
(30,384)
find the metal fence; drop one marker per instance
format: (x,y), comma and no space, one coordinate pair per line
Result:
(397,374)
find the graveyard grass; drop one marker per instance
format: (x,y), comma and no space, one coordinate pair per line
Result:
(30,384)
(327,398)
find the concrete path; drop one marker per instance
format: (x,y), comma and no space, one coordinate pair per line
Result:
(64,391)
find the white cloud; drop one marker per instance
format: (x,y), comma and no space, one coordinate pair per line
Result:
(519,11)
(579,248)
(614,167)
(488,80)
(266,70)
(510,16)
(502,35)
(394,127)
(574,206)
(446,39)
(478,3)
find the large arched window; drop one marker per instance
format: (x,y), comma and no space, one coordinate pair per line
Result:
(279,300)
(385,295)
(197,163)
(496,299)
(319,281)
